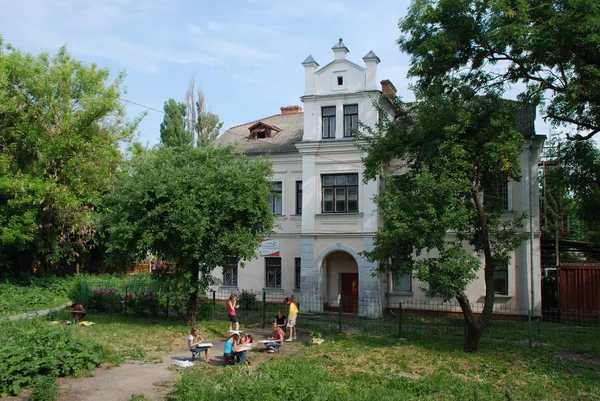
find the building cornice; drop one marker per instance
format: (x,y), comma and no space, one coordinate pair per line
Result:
(329,146)
(341,94)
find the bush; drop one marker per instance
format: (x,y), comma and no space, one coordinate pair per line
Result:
(247,300)
(44,389)
(30,293)
(32,348)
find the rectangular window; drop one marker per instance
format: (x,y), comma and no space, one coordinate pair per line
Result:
(298,197)
(340,193)
(503,192)
(275,199)
(297,264)
(230,274)
(350,120)
(328,119)
(273,272)
(402,282)
(498,194)
(501,279)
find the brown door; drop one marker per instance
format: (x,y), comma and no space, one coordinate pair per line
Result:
(350,292)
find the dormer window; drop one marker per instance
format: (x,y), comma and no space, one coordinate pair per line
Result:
(261,133)
(261,130)
(340,80)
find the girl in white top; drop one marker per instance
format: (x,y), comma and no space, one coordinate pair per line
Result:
(193,340)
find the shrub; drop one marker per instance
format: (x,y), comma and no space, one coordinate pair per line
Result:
(32,348)
(44,389)
(247,300)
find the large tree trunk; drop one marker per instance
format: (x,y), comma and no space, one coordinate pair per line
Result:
(474,326)
(190,316)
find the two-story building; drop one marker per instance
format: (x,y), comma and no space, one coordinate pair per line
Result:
(326,213)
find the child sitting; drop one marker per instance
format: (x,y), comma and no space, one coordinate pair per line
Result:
(193,340)
(231,352)
(276,340)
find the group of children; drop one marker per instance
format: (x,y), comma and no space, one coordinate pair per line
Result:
(234,351)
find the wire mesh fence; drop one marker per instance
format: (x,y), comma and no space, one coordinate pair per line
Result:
(337,315)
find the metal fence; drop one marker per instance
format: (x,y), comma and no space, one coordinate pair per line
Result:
(333,316)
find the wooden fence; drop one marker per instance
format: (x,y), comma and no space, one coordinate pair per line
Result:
(580,288)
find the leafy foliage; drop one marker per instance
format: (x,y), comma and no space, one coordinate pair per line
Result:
(443,160)
(551,46)
(193,207)
(33,348)
(30,293)
(61,123)
(172,130)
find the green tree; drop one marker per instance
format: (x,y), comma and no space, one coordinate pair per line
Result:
(173,132)
(448,150)
(61,122)
(552,47)
(202,124)
(571,190)
(195,207)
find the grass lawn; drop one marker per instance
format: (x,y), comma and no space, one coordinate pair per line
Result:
(371,368)
(144,339)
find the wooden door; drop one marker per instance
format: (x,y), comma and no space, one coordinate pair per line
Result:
(350,292)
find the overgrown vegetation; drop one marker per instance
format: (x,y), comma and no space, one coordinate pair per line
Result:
(31,293)
(31,349)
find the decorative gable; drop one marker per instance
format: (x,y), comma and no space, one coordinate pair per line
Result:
(261,130)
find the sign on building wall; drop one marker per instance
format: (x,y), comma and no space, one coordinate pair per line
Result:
(269,247)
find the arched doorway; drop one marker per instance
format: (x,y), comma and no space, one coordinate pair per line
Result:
(340,271)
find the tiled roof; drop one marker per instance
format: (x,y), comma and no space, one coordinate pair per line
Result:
(291,126)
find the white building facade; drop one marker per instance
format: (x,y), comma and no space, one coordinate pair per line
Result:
(326,215)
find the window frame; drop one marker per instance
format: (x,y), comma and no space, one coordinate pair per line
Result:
(274,200)
(335,190)
(330,119)
(297,272)
(396,283)
(299,189)
(274,267)
(232,266)
(502,269)
(353,118)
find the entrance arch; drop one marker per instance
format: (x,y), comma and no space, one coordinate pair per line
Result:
(339,278)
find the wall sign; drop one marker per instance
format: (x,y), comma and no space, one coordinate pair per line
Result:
(269,247)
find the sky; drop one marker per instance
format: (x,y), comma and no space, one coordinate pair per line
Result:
(245,54)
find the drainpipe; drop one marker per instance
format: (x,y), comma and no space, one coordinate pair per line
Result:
(531,265)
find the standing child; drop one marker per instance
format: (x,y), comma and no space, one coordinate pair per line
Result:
(231,352)
(281,320)
(193,340)
(292,318)
(277,339)
(231,306)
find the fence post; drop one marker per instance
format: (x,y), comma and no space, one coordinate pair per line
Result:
(529,328)
(399,319)
(214,306)
(340,317)
(264,309)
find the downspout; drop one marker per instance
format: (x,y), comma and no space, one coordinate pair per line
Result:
(531,238)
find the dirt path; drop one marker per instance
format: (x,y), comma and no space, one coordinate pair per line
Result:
(154,380)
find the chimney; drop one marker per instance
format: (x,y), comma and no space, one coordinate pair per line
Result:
(388,88)
(285,110)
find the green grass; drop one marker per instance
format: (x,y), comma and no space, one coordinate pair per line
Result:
(144,339)
(367,368)
(32,293)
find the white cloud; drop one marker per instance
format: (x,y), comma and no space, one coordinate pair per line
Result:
(215,26)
